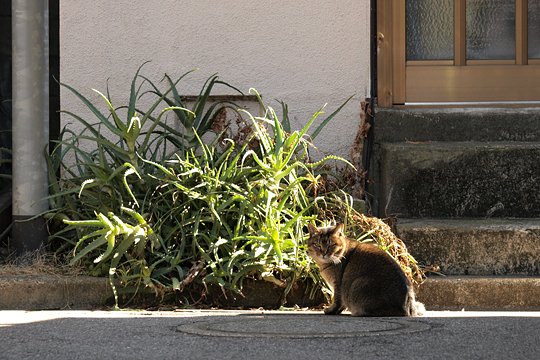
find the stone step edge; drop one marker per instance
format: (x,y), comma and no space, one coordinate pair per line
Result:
(472,223)
(429,180)
(450,146)
(474,246)
(451,124)
(481,293)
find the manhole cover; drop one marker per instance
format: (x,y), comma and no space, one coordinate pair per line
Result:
(302,326)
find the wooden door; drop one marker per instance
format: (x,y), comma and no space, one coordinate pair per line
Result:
(458,51)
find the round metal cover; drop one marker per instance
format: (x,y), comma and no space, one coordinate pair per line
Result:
(302,326)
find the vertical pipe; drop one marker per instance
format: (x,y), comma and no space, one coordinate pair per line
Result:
(30,129)
(522,27)
(460,33)
(367,151)
(373,47)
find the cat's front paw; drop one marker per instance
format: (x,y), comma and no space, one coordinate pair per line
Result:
(333,309)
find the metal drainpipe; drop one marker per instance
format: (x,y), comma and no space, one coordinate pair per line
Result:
(30,126)
(367,151)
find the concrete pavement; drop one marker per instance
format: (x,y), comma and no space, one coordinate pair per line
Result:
(256,334)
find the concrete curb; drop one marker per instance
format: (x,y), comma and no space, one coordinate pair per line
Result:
(46,292)
(481,293)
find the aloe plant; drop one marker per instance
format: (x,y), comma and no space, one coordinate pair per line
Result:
(114,160)
(228,212)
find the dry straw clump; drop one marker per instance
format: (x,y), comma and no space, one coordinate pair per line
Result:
(38,263)
(383,235)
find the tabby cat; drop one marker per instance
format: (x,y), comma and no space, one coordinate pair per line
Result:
(365,279)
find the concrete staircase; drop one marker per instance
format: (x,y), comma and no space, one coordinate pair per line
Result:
(464,185)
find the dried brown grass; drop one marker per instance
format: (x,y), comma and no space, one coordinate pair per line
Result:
(383,235)
(38,263)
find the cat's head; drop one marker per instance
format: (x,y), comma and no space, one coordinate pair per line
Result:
(326,244)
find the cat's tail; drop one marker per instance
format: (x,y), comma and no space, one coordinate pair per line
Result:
(416,308)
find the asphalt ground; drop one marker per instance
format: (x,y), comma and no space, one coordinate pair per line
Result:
(257,334)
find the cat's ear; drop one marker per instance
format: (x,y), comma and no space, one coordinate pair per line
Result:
(338,230)
(312,229)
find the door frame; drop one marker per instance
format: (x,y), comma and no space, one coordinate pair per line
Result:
(450,81)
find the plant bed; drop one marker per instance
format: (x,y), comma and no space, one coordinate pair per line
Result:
(160,211)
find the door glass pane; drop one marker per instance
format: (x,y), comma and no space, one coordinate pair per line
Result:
(430,29)
(491,29)
(534,29)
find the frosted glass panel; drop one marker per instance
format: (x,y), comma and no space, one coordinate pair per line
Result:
(534,29)
(491,29)
(430,29)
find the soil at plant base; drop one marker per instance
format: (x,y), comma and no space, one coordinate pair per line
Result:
(255,294)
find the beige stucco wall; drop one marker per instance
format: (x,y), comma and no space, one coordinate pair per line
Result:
(306,53)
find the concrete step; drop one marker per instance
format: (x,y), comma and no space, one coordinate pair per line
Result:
(480,293)
(458,179)
(474,246)
(457,124)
